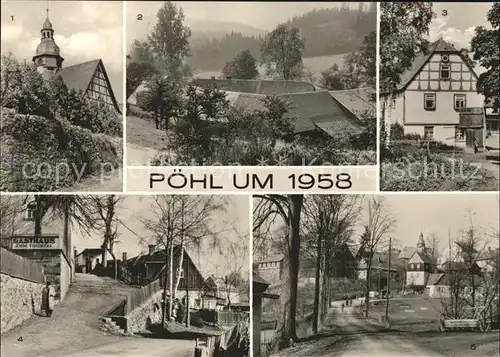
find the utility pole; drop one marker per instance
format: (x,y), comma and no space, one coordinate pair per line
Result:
(317,300)
(388,283)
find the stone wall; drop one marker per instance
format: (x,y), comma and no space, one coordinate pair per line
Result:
(56,268)
(149,312)
(20,299)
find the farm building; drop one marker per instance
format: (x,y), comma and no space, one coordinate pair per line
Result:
(434,91)
(90,77)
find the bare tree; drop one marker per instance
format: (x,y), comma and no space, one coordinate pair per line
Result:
(379,225)
(105,219)
(289,208)
(185,221)
(432,243)
(330,221)
(10,208)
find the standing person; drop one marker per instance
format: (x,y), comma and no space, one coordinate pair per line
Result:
(48,296)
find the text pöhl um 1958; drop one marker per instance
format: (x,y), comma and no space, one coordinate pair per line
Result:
(253,181)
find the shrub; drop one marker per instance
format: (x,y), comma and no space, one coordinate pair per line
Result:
(40,154)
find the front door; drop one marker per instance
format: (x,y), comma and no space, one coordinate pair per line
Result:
(474,141)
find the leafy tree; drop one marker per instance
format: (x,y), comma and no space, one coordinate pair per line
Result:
(162,97)
(169,39)
(243,66)
(201,109)
(331,78)
(282,52)
(402,29)
(486,48)
(141,51)
(137,72)
(23,87)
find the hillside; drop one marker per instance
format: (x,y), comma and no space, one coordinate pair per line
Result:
(326,32)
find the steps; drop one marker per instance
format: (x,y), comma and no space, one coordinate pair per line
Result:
(111,327)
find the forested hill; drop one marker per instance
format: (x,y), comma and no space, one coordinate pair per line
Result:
(326,32)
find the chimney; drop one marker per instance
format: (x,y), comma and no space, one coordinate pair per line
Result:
(124,257)
(212,78)
(151,249)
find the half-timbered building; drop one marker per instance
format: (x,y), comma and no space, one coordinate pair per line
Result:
(437,98)
(89,78)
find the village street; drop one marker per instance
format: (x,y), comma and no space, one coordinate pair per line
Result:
(74,328)
(349,335)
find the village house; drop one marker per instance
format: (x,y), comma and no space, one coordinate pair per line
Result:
(52,249)
(271,268)
(90,77)
(437,98)
(151,266)
(312,111)
(419,266)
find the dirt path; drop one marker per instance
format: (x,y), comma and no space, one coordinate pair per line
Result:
(349,335)
(74,325)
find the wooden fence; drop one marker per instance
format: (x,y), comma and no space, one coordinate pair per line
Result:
(138,297)
(19,267)
(229,318)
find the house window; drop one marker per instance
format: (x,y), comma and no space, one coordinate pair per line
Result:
(459,101)
(180,273)
(444,71)
(429,101)
(459,133)
(30,210)
(418,265)
(428,132)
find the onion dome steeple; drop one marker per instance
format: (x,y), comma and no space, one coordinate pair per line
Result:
(47,55)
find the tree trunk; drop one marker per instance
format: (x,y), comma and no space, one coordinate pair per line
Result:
(368,286)
(165,272)
(318,282)
(179,269)
(38,219)
(114,263)
(294,248)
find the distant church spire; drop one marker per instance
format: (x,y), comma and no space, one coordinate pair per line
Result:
(421,243)
(47,56)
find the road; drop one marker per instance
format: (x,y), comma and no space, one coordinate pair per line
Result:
(138,346)
(347,334)
(74,328)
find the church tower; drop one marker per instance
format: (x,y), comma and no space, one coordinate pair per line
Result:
(47,58)
(421,244)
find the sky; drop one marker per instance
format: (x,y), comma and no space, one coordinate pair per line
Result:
(262,15)
(431,213)
(84,30)
(210,261)
(440,213)
(459,23)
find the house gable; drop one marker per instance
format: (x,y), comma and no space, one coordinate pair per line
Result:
(425,73)
(91,79)
(415,258)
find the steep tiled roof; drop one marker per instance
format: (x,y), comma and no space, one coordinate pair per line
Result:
(78,76)
(311,110)
(434,278)
(407,252)
(421,59)
(257,86)
(426,258)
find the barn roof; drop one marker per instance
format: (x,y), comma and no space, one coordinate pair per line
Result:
(257,86)
(357,101)
(311,110)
